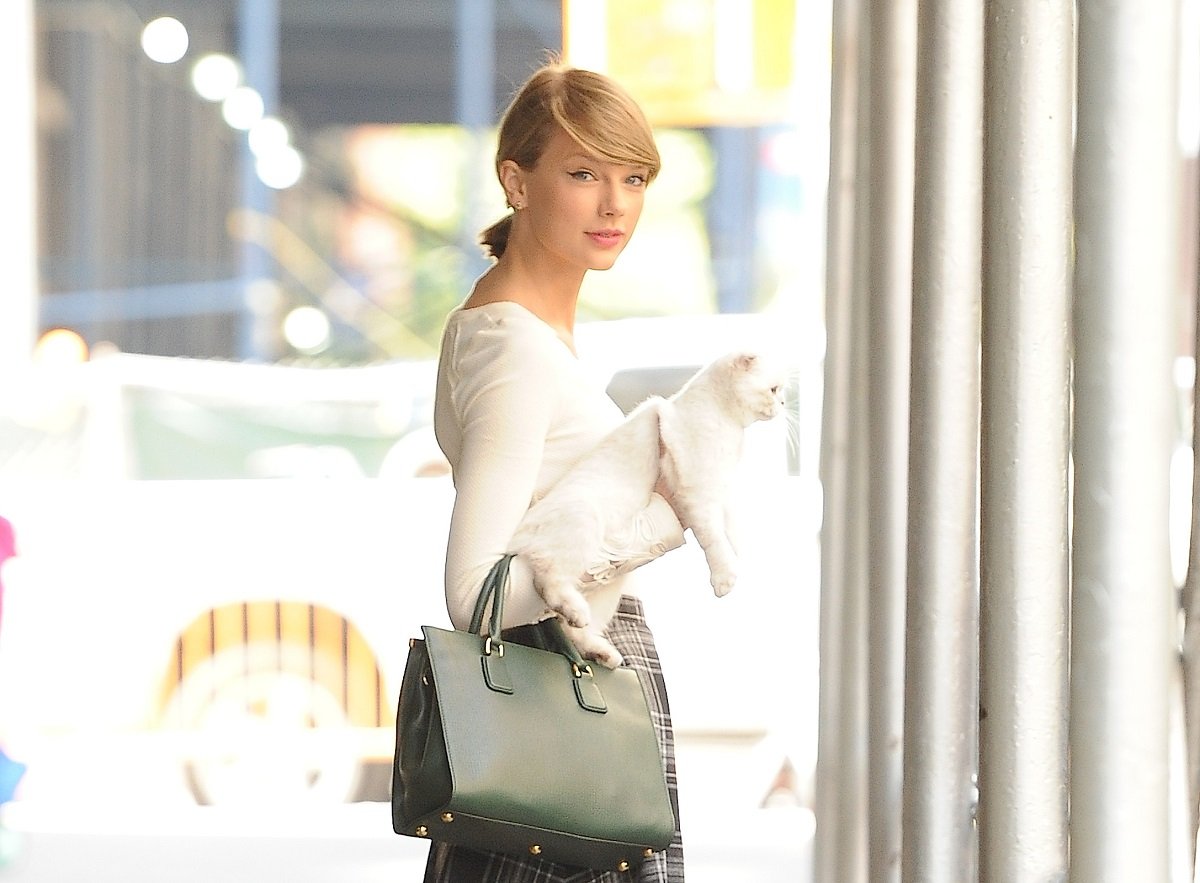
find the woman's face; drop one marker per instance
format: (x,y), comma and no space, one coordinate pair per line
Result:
(580,209)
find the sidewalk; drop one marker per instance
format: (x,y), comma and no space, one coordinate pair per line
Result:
(350,844)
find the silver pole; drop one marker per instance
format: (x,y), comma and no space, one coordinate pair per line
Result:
(258,41)
(474,93)
(1127,247)
(18,245)
(940,711)
(841,735)
(1029,62)
(1191,631)
(893,25)
(853,823)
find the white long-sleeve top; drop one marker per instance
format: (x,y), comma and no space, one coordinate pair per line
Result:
(513,410)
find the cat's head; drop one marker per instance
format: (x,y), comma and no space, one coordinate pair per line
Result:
(754,384)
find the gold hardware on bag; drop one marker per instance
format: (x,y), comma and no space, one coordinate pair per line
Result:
(447,817)
(535,850)
(422,831)
(623,866)
(412,642)
(580,672)
(488,645)
(647,852)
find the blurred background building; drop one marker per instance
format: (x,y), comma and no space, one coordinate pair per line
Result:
(272,179)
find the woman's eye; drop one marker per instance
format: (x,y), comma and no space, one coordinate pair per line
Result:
(637,180)
(583,175)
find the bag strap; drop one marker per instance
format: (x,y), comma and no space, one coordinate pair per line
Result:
(587,692)
(493,588)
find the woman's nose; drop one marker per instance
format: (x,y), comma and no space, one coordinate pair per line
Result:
(612,203)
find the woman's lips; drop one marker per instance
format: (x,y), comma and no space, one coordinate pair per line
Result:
(606,238)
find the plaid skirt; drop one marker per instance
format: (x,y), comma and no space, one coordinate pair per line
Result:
(454,864)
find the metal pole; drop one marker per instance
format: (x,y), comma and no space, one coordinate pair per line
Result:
(893,25)
(475,76)
(854,822)
(18,240)
(1127,246)
(1191,608)
(1191,598)
(730,216)
(941,702)
(258,42)
(1029,62)
(841,736)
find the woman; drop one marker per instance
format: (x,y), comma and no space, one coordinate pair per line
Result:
(513,408)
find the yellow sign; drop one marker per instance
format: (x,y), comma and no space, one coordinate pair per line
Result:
(690,62)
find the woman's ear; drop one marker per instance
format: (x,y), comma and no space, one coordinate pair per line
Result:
(512,179)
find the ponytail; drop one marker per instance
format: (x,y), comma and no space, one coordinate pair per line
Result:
(495,238)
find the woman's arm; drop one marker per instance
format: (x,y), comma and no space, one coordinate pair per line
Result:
(654,532)
(503,412)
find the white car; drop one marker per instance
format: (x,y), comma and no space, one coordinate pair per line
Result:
(219,567)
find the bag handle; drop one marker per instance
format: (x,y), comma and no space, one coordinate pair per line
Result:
(586,690)
(493,588)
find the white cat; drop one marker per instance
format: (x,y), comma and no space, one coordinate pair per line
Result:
(690,442)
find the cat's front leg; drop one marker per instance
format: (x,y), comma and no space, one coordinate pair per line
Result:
(560,594)
(709,529)
(568,602)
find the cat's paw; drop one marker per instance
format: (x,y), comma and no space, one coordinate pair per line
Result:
(598,649)
(722,582)
(569,604)
(575,613)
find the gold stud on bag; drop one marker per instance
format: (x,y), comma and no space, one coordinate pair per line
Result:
(473,706)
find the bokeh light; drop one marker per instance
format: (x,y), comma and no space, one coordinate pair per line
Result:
(242,108)
(216,75)
(281,168)
(60,347)
(268,135)
(306,329)
(165,40)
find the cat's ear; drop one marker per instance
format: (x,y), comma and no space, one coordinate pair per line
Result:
(746,361)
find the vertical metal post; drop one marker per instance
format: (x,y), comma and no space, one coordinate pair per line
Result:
(475,76)
(258,42)
(1122,631)
(1191,607)
(893,25)
(18,240)
(840,846)
(1029,64)
(732,210)
(940,710)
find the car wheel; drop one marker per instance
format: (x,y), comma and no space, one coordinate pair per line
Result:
(262,728)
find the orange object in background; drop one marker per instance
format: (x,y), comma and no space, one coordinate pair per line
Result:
(709,63)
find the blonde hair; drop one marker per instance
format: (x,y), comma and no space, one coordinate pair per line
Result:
(590,107)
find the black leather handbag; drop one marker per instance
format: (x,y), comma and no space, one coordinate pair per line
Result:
(528,750)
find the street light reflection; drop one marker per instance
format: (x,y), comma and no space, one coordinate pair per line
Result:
(165,40)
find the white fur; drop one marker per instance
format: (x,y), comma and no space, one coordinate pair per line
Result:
(575,538)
